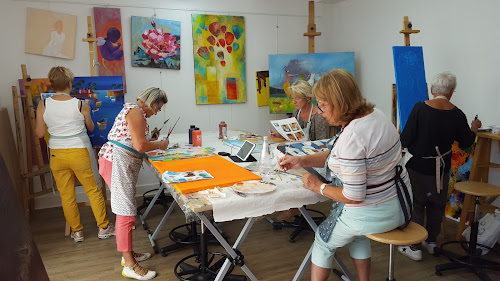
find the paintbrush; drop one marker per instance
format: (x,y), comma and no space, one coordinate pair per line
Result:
(171,129)
(156,131)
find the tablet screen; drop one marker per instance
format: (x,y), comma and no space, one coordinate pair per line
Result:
(245,150)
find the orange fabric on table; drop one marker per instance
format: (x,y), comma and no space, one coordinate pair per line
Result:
(225,172)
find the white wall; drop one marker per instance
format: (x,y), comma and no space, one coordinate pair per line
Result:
(272,27)
(456,35)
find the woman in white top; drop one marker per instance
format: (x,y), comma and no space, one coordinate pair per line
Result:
(67,120)
(364,160)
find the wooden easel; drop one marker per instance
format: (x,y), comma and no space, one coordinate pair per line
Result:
(407,30)
(31,141)
(91,40)
(311,28)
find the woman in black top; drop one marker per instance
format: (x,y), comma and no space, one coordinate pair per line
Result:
(429,133)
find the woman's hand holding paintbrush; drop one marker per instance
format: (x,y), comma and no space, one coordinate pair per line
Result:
(156,132)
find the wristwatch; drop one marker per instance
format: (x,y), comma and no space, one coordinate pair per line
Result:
(321,188)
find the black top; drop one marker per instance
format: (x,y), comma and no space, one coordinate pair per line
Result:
(427,128)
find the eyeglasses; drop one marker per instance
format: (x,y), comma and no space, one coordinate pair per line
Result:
(319,107)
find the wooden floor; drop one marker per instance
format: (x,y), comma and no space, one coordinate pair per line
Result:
(268,253)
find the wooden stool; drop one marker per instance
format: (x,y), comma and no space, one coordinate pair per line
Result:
(473,259)
(412,234)
(478,173)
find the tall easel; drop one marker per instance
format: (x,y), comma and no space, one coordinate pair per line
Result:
(311,28)
(31,142)
(407,30)
(91,40)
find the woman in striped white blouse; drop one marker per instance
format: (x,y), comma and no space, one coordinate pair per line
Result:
(363,162)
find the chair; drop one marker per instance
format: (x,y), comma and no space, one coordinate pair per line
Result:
(473,259)
(412,234)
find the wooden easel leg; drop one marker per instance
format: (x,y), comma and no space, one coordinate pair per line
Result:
(463,216)
(67,229)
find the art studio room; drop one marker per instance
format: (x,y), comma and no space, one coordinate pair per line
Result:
(249,140)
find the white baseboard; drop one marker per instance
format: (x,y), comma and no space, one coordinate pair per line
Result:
(52,200)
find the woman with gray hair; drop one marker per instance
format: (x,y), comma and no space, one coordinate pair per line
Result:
(314,125)
(429,133)
(119,164)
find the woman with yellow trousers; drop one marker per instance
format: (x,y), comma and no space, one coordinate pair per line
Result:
(71,154)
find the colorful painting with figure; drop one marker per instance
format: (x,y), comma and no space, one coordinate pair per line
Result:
(410,80)
(262,78)
(284,70)
(50,34)
(219,59)
(156,43)
(461,162)
(108,30)
(105,96)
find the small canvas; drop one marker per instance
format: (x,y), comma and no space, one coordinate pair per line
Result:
(284,70)
(156,43)
(410,80)
(50,34)
(262,78)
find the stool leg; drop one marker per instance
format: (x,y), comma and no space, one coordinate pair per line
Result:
(391,263)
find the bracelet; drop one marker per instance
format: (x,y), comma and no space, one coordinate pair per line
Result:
(321,188)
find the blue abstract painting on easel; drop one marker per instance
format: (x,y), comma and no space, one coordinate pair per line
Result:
(410,79)
(104,95)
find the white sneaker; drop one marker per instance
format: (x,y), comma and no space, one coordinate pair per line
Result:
(77,236)
(429,247)
(411,252)
(138,272)
(138,257)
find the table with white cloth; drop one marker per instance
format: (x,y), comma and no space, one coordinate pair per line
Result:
(289,193)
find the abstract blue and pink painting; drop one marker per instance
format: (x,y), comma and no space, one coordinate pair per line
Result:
(105,96)
(284,70)
(156,43)
(410,79)
(219,59)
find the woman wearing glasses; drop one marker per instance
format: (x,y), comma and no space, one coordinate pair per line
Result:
(363,160)
(314,125)
(119,164)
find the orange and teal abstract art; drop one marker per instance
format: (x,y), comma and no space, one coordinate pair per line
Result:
(219,59)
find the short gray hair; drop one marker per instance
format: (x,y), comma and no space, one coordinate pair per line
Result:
(301,89)
(152,95)
(443,83)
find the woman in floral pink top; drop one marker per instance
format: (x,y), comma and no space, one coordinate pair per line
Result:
(120,160)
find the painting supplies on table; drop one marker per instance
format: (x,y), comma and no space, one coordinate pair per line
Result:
(182,152)
(289,128)
(178,177)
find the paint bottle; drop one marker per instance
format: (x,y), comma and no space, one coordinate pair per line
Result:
(190,133)
(196,137)
(222,130)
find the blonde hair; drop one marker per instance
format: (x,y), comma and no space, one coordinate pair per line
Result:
(151,96)
(301,89)
(339,89)
(60,78)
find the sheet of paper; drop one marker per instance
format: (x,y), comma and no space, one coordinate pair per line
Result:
(289,128)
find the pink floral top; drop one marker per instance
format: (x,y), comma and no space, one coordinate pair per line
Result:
(119,132)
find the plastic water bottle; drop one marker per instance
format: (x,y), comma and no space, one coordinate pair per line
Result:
(266,159)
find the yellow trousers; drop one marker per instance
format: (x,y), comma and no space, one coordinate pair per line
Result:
(65,165)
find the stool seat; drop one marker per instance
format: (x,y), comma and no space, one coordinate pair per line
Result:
(412,234)
(478,188)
